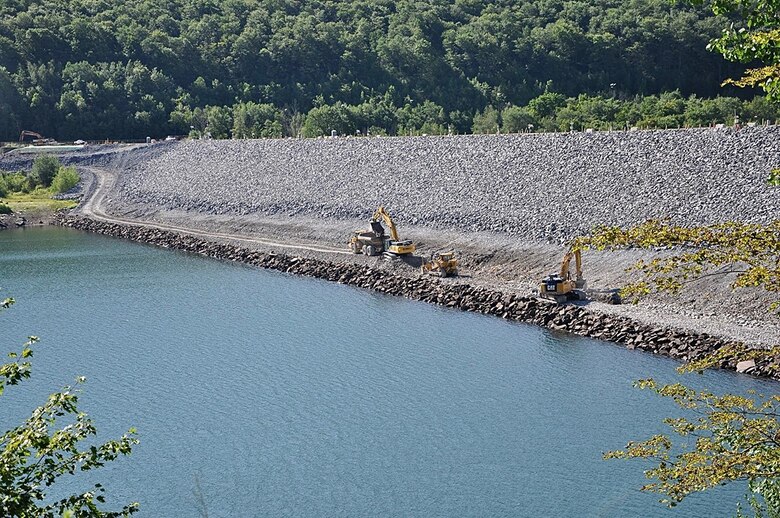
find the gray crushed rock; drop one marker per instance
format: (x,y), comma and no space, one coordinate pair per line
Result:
(540,187)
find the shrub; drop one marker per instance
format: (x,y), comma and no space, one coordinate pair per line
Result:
(3,187)
(44,169)
(546,105)
(15,182)
(321,121)
(5,209)
(65,179)
(252,120)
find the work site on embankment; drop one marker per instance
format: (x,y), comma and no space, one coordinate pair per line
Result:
(507,204)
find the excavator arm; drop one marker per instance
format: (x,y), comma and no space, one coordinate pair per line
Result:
(566,263)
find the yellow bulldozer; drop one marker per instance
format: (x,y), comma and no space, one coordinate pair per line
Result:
(442,264)
(560,287)
(375,241)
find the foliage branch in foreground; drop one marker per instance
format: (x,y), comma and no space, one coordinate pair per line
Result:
(729,437)
(750,251)
(756,38)
(36,453)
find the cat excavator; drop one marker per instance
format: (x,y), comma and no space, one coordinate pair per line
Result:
(561,287)
(375,241)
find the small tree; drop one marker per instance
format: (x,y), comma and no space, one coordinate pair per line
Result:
(546,105)
(486,122)
(65,179)
(252,120)
(36,453)
(417,119)
(517,119)
(220,121)
(44,169)
(321,121)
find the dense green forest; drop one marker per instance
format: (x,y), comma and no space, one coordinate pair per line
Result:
(96,69)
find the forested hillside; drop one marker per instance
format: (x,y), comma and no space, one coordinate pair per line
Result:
(98,69)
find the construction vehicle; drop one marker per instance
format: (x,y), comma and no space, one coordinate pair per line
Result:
(442,264)
(560,287)
(38,139)
(26,133)
(375,241)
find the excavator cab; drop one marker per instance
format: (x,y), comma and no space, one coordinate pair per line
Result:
(553,284)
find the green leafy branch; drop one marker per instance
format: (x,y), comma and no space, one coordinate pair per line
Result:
(730,438)
(755,38)
(36,453)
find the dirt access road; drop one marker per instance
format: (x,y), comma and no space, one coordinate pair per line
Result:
(104,182)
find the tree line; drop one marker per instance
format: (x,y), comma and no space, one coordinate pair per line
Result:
(548,112)
(96,70)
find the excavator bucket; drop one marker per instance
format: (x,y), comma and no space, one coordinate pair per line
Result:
(378,228)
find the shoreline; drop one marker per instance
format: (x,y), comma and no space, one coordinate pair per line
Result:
(21,219)
(682,345)
(466,195)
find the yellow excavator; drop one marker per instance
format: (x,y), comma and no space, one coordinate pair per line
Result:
(442,264)
(375,241)
(561,287)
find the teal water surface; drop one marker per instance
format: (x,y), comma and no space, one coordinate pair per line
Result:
(257,393)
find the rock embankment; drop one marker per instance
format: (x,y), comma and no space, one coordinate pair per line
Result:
(533,187)
(677,344)
(12,221)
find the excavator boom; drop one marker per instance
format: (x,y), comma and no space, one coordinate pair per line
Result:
(26,133)
(566,263)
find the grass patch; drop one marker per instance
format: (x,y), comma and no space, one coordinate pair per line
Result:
(31,192)
(35,201)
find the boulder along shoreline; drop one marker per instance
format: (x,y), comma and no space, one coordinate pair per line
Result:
(678,344)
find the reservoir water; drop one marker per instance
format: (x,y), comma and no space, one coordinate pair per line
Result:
(257,393)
